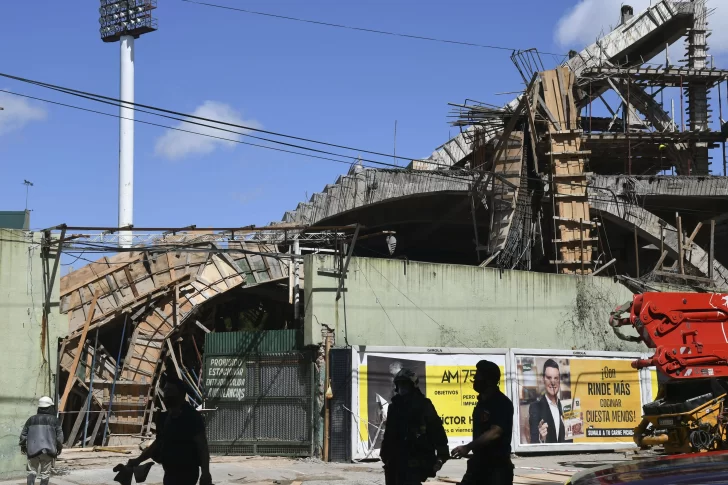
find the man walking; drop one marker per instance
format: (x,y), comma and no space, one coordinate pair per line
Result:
(181,445)
(42,440)
(415,444)
(492,428)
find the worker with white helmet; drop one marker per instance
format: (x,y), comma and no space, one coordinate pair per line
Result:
(42,440)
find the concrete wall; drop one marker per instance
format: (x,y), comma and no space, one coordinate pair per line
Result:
(392,302)
(23,369)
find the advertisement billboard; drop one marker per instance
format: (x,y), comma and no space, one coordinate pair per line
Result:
(569,400)
(445,377)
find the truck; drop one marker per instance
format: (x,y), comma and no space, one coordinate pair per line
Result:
(690,340)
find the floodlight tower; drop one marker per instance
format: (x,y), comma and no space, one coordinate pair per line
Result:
(124,21)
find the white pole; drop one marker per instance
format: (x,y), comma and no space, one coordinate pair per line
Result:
(126,141)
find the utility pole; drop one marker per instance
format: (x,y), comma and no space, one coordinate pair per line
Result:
(28,184)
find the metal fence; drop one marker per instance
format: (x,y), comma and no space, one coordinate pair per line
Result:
(340,420)
(264,408)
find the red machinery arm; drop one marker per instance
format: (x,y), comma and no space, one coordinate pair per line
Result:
(687,330)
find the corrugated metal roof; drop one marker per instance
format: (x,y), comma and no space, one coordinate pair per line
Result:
(242,343)
(15,220)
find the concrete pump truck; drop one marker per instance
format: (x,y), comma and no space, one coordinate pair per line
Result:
(689,332)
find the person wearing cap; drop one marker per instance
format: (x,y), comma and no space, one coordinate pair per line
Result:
(492,429)
(42,441)
(414,446)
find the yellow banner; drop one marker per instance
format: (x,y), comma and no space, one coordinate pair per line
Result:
(577,400)
(447,380)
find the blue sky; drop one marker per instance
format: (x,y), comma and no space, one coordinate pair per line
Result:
(334,85)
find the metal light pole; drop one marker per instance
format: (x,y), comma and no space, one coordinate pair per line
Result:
(124,21)
(126,140)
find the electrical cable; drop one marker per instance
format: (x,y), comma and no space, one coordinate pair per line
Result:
(430,174)
(361,29)
(135,106)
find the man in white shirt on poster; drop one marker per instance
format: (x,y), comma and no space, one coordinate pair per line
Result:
(545,416)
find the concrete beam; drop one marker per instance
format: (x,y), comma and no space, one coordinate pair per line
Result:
(631,216)
(697,186)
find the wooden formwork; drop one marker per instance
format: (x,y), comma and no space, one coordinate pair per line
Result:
(574,228)
(509,166)
(154,293)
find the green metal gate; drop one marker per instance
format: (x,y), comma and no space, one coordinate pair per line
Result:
(262,389)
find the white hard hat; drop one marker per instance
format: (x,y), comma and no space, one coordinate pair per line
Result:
(45,402)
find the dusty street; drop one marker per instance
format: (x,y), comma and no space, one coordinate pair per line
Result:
(81,468)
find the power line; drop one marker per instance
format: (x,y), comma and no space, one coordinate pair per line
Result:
(423,173)
(362,29)
(120,103)
(117,103)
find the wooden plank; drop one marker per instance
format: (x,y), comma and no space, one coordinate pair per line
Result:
(658,266)
(133,304)
(636,253)
(204,328)
(680,244)
(97,277)
(685,277)
(174,358)
(77,424)
(95,432)
(77,357)
(130,281)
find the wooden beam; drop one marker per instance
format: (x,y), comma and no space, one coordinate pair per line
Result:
(97,277)
(636,253)
(658,266)
(95,433)
(77,357)
(662,247)
(680,244)
(130,281)
(174,358)
(77,424)
(204,328)
(147,297)
(698,279)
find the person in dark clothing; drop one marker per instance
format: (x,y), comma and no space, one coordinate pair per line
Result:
(545,416)
(414,446)
(492,428)
(42,440)
(181,445)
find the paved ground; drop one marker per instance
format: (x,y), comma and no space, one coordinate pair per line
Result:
(87,468)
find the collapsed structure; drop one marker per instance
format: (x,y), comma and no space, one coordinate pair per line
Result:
(540,185)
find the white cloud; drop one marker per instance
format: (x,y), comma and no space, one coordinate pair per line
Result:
(176,145)
(18,112)
(583,23)
(244,198)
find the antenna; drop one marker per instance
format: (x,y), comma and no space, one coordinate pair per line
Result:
(394,155)
(28,184)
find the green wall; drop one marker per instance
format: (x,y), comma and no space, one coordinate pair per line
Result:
(392,302)
(24,376)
